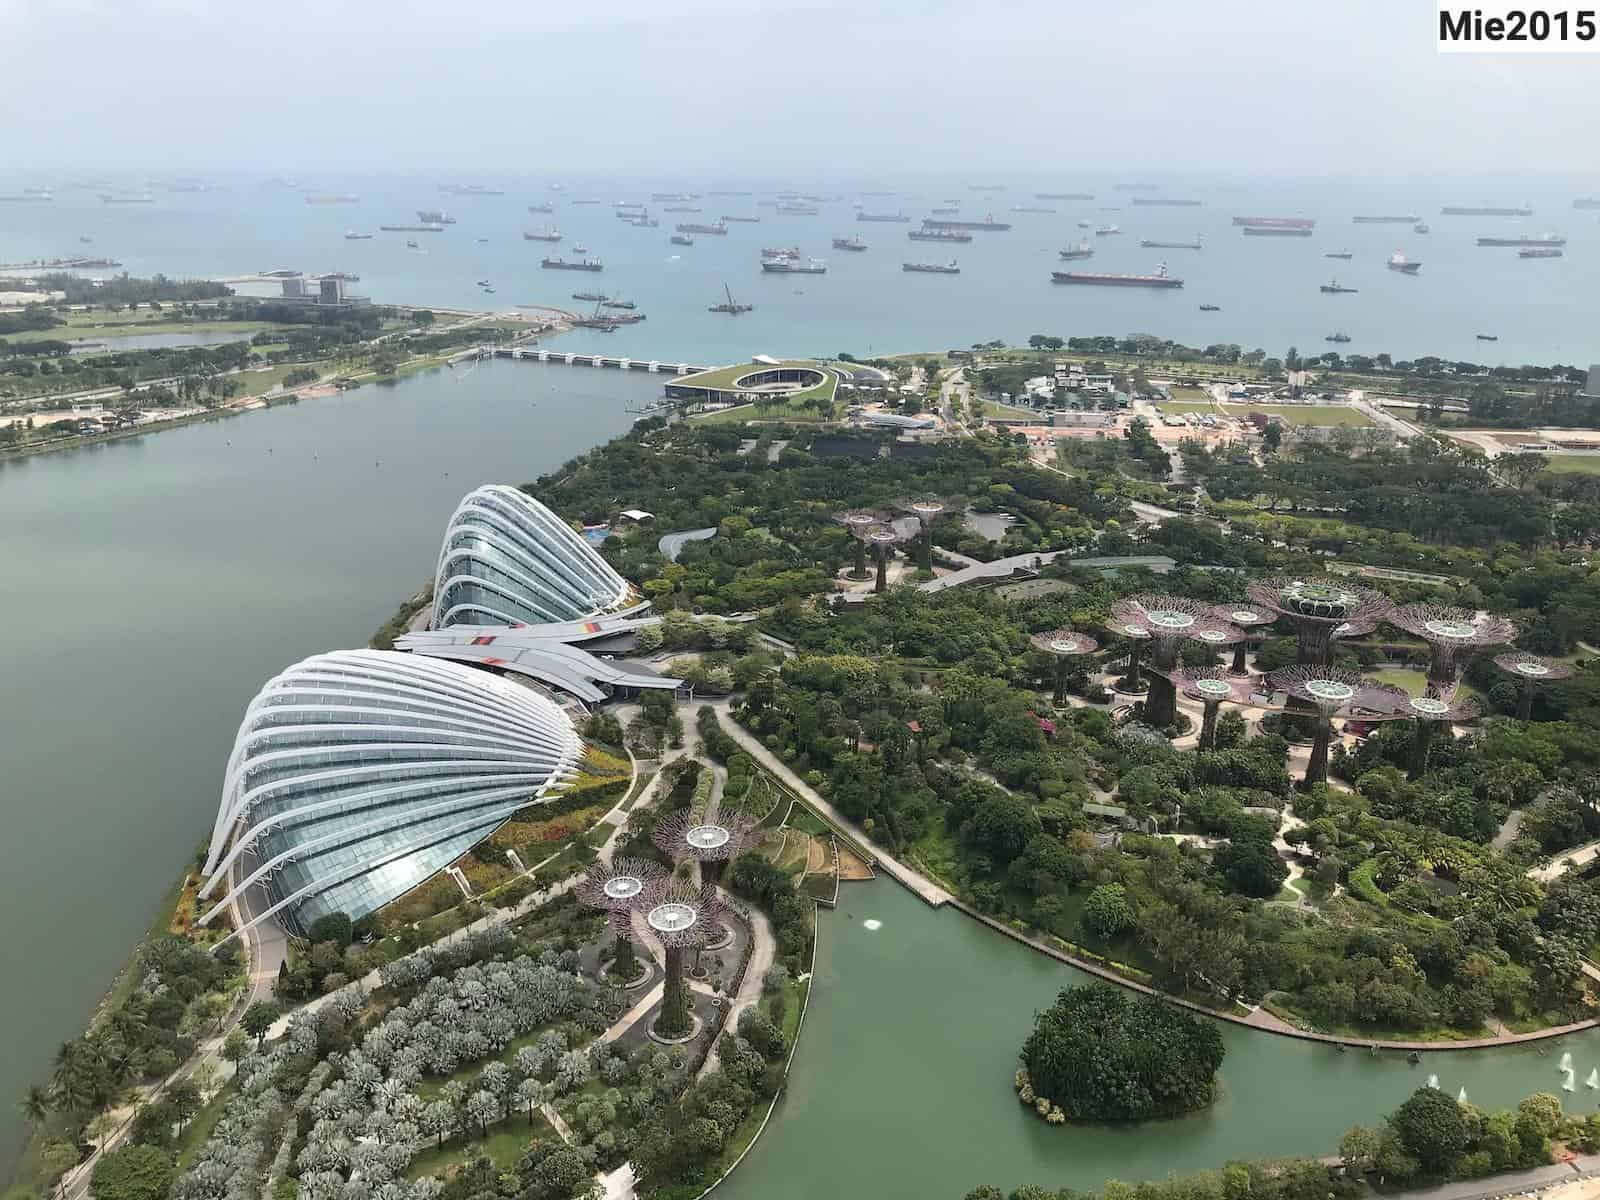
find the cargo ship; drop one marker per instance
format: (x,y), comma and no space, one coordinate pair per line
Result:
(1151,245)
(683,208)
(1063,195)
(1165,202)
(849,243)
(780,252)
(469,189)
(435,216)
(1485,211)
(544,235)
(628,305)
(1081,250)
(1540,252)
(895,217)
(1399,262)
(799,210)
(596,297)
(949,268)
(582,264)
(1276,222)
(793,266)
(1337,337)
(1334,287)
(542,208)
(945,212)
(938,235)
(1421,227)
(682,239)
(644,221)
(743,220)
(1158,280)
(350,235)
(1544,239)
(1337,254)
(1107,231)
(1410,219)
(717,230)
(340,198)
(1031,208)
(728,192)
(988,224)
(1487,337)
(674,197)
(412,228)
(1276,231)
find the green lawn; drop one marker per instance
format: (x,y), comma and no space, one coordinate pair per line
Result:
(505,1145)
(1303,414)
(1403,677)
(1180,392)
(1009,412)
(798,414)
(92,326)
(1187,406)
(1587,464)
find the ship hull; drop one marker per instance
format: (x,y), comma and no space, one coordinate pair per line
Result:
(1144,281)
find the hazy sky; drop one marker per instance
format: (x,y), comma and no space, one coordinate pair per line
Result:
(747,85)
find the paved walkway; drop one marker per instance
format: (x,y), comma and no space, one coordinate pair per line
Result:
(764,949)
(926,888)
(1567,860)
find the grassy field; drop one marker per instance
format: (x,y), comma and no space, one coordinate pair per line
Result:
(1304,414)
(1587,464)
(993,408)
(1188,393)
(94,325)
(1188,406)
(793,413)
(504,1145)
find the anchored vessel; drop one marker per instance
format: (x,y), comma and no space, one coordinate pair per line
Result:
(1031,208)
(1543,239)
(1107,231)
(716,230)
(730,306)
(793,266)
(1337,337)
(1277,230)
(543,235)
(1336,288)
(541,208)
(896,217)
(1276,222)
(582,264)
(949,268)
(1158,280)
(1165,202)
(435,216)
(431,228)
(1153,245)
(597,297)
(1586,202)
(1470,211)
(1540,252)
(938,235)
(1081,250)
(1338,254)
(340,198)
(1063,195)
(1399,262)
(849,243)
(350,235)
(1410,219)
(682,239)
(988,224)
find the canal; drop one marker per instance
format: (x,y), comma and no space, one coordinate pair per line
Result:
(901,1085)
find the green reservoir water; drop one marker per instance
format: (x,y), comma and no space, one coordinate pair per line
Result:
(149,587)
(901,1086)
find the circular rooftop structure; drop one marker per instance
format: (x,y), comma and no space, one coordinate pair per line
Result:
(1213,689)
(1428,706)
(708,837)
(779,380)
(1330,690)
(672,917)
(623,887)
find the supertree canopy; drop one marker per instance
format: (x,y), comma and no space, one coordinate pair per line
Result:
(1333,690)
(858,522)
(926,509)
(882,539)
(1213,687)
(1431,712)
(1169,621)
(1450,632)
(1065,644)
(689,836)
(1246,617)
(1317,606)
(1531,671)
(682,917)
(620,889)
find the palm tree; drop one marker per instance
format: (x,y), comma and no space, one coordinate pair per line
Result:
(35,1105)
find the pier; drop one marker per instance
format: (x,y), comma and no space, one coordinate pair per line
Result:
(572,359)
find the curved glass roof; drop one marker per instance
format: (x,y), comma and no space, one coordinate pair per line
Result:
(358,774)
(507,560)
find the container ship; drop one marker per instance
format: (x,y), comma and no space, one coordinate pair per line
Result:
(544,235)
(717,230)
(1399,262)
(988,224)
(1458,211)
(896,218)
(849,243)
(1150,245)
(435,216)
(793,266)
(938,235)
(1165,202)
(1276,222)
(340,198)
(1063,195)
(949,268)
(1540,252)
(582,264)
(412,228)
(1158,280)
(1081,250)
(1412,219)
(1544,239)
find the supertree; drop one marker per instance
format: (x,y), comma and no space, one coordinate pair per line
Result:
(858,522)
(1531,671)
(1329,691)
(1430,713)
(1169,621)
(1450,632)
(688,836)
(1213,687)
(882,539)
(1245,617)
(1064,644)
(619,889)
(926,509)
(1317,606)
(683,917)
